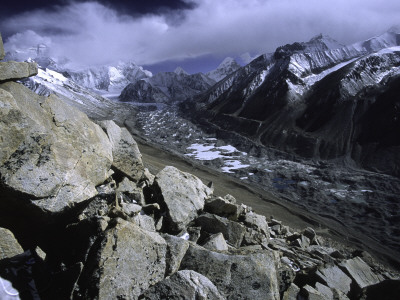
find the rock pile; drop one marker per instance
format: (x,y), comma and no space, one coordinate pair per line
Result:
(82,218)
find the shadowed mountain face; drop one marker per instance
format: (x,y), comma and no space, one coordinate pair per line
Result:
(319,100)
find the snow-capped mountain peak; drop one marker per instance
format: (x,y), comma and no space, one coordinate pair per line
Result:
(322,42)
(180,71)
(226,67)
(394,29)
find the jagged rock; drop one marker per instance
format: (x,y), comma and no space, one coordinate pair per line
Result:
(144,221)
(310,234)
(131,209)
(13,70)
(50,151)
(222,207)
(182,193)
(126,262)
(194,233)
(254,237)
(107,188)
(334,278)
(246,275)
(97,207)
(2,54)
(360,272)
(126,155)
(177,248)
(291,293)
(185,284)
(257,222)
(130,189)
(324,290)
(339,295)
(216,242)
(230,198)
(233,232)
(9,245)
(311,293)
(286,276)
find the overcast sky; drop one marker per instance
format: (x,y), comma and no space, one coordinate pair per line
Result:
(195,34)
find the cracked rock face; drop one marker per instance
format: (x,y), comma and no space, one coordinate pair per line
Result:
(128,260)
(50,152)
(126,155)
(183,194)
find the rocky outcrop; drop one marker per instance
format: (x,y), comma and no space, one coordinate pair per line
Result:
(50,151)
(9,246)
(17,70)
(125,152)
(184,284)
(128,261)
(183,195)
(228,272)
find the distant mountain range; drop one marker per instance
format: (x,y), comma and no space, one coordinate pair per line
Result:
(317,99)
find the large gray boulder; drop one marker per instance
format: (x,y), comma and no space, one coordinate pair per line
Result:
(183,195)
(9,246)
(127,262)
(177,248)
(125,151)
(216,242)
(13,70)
(49,151)
(185,284)
(246,275)
(222,207)
(233,232)
(361,272)
(334,277)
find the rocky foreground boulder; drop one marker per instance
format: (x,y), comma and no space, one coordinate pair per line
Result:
(81,218)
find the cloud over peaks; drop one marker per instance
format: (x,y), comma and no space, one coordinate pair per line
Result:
(90,33)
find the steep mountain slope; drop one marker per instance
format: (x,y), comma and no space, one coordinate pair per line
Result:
(314,99)
(166,87)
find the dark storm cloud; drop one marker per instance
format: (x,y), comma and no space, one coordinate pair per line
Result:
(96,33)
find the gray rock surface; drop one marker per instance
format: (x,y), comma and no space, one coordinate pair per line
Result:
(233,232)
(127,262)
(183,194)
(126,154)
(9,245)
(144,221)
(177,248)
(334,277)
(312,294)
(216,242)
(291,293)
(131,190)
(361,272)
(184,284)
(222,207)
(324,290)
(257,222)
(2,54)
(49,150)
(230,272)
(13,70)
